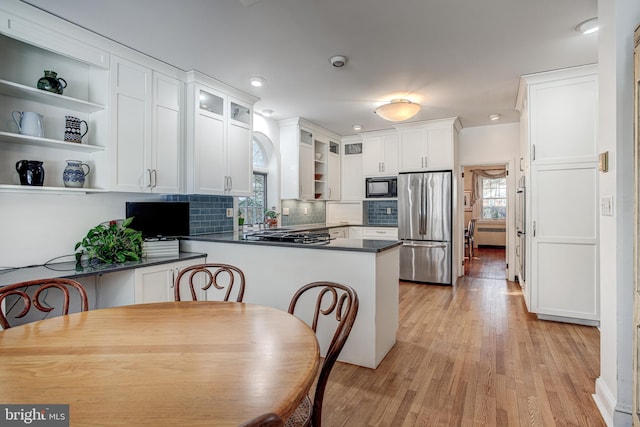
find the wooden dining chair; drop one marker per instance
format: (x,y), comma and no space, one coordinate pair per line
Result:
(265,420)
(468,237)
(37,300)
(211,277)
(331,299)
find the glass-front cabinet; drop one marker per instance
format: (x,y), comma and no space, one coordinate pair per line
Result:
(219,146)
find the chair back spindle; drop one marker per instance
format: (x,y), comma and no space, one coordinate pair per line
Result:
(211,277)
(341,302)
(37,300)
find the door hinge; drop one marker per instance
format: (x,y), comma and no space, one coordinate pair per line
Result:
(463,174)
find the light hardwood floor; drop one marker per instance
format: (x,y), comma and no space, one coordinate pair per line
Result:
(471,355)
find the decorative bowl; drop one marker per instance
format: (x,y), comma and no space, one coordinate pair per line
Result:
(317,176)
(318,156)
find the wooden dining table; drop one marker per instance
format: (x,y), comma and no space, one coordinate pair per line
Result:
(174,363)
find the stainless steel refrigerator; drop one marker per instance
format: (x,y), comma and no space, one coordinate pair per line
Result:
(424,226)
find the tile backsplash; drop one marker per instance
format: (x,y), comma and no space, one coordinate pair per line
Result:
(381,212)
(315,213)
(207,214)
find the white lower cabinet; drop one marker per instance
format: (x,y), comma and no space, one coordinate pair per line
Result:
(380,233)
(156,283)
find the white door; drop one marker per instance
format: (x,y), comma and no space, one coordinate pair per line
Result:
(131,126)
(239,160)
(167,134)
(154,284)
(564,263)
(334,177)
(209,154)
(306,172)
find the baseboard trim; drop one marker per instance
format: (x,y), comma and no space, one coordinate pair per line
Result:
(605,401)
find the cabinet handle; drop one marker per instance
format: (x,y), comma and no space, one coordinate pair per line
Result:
(533,151)
(534,229)
(173,277)
(329,192)
(155,178)
(230,183)
(149,172)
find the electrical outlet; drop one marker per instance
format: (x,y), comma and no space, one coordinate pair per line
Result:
(306,211)
(285,211)
(388,211)
(229,212)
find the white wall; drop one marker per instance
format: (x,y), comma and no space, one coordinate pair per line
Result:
(35,228)
(617,19)
(491,145)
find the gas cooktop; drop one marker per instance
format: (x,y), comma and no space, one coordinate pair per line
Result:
(305,238)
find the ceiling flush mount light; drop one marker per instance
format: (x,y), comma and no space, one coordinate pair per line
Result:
(494,117)
(267,113)
(398,110)
(589,26)
(257,81)
(357,128)
(338,61)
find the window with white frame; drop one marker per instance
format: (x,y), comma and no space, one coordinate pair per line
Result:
(494,198)
(252,208)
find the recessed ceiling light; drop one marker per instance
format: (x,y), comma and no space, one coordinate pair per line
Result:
(589,26)
(267,113)
(357,128)
(494,117)
(257,81)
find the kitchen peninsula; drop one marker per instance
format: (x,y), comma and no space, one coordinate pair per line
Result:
(275,270)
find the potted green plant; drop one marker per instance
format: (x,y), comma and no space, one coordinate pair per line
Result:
(240,217)
(111,242)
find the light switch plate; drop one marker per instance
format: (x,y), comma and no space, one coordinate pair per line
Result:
(285,211)
(606,206)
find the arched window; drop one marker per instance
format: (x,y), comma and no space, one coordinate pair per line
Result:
(252,208)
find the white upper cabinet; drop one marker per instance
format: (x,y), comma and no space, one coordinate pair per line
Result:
(309,160)
(380,153)
(131,124)
(427,145)
(219,146)
(147,129)
(352,173)
(554,107)
(334,180)
(167,134)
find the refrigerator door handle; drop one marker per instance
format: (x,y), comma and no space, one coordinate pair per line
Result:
(425,206)
(420,207)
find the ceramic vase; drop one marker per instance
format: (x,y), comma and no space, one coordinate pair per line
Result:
(74,174)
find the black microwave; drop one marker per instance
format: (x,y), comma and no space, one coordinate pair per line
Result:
(380,187)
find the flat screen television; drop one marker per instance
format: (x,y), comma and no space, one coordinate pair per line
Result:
(159,219)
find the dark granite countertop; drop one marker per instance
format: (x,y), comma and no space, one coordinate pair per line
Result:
(358,245)
(69,270)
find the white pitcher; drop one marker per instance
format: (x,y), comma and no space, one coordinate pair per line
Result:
(29,123)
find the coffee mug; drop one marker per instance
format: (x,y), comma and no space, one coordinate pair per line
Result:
(72,132)
(29,123)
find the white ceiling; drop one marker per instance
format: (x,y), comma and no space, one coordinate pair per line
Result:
(455,57)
